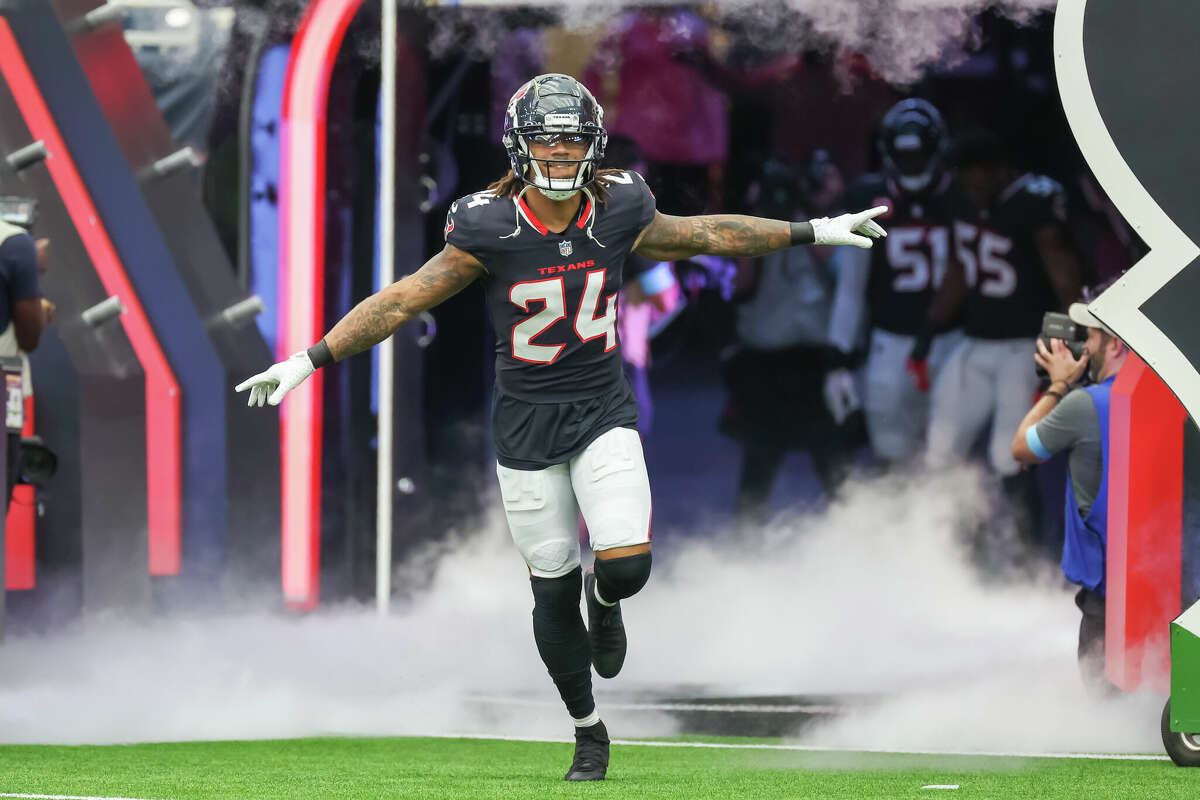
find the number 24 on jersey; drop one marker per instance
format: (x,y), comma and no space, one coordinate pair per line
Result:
(551,293)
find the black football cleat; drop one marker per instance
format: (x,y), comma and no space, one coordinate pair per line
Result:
(591,754)
(606,629)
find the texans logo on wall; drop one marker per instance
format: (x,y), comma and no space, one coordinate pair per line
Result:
(1136,124)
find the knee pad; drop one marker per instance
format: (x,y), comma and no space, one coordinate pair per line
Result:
(618,578)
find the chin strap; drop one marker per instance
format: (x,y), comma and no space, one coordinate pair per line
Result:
(595,213)
(516,201)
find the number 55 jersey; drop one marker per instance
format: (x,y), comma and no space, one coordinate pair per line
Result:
(1008,287)
(552,299)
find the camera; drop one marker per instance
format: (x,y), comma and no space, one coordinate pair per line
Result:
(20,211)
(1060,326)
(37,463)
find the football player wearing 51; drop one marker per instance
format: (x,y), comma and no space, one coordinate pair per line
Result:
(548,240)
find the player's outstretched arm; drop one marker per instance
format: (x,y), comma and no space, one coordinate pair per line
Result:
(669,238)
(386,311)
(369,322)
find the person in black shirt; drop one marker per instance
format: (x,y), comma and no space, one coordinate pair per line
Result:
(905,290)
(1018,263)
(549,240)
(23,317)
(776,372)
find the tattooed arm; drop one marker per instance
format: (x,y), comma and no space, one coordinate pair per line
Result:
(383,313)
(368,323)
(669,238)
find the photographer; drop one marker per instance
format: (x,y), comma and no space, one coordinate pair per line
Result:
(24,314)
(1076,420)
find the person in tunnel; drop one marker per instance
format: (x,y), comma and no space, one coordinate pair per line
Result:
(24,315)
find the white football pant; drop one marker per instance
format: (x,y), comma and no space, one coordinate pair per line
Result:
(986,382)
(897,412)
(607,482)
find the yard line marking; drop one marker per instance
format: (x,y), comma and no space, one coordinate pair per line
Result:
(70,797)
(941,786)
(728,708)
(811,748)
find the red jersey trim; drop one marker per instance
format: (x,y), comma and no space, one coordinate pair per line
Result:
(534,221)
(541,228)
(587,213)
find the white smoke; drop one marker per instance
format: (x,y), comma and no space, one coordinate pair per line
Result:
(900,38)
(871,598)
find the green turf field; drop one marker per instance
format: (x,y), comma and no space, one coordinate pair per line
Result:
(470,768)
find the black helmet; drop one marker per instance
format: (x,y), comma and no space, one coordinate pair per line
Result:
(912,143)
(550,106)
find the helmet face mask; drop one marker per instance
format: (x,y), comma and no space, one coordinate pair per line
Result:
(554,111)
(912,144)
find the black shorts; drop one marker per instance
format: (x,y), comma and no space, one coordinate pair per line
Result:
(534,436)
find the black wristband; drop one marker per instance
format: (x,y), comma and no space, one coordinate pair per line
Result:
(1054,394)
(832,358)
(802,233)
(319,355)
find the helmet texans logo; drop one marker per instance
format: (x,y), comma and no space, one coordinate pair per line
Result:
(565,248)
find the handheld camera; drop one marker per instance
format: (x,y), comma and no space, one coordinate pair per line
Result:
(1060,326)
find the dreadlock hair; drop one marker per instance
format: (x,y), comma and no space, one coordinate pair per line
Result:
(510,185)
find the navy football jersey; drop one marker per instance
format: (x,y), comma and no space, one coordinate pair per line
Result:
(909,265)
(1008,289)
(552,297)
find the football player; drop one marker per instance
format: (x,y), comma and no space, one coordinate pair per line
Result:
(899,287)
(548,240)
(1019,263)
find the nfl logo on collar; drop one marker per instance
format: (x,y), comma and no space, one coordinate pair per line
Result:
(565,248)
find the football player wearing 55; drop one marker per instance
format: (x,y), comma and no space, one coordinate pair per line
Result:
(548,240)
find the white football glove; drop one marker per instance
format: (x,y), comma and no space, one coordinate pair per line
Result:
(277,381)
(841,398)
(846,228)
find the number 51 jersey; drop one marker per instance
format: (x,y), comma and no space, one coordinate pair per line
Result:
(552,296)
(908,266)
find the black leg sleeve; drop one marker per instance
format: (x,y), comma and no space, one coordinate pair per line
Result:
(562,639)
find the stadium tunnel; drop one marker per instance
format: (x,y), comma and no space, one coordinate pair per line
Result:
(109,394)
(247,489)
(243,503)
(313,219)
(166,462)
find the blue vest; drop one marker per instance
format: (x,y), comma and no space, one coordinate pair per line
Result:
(1087,538)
